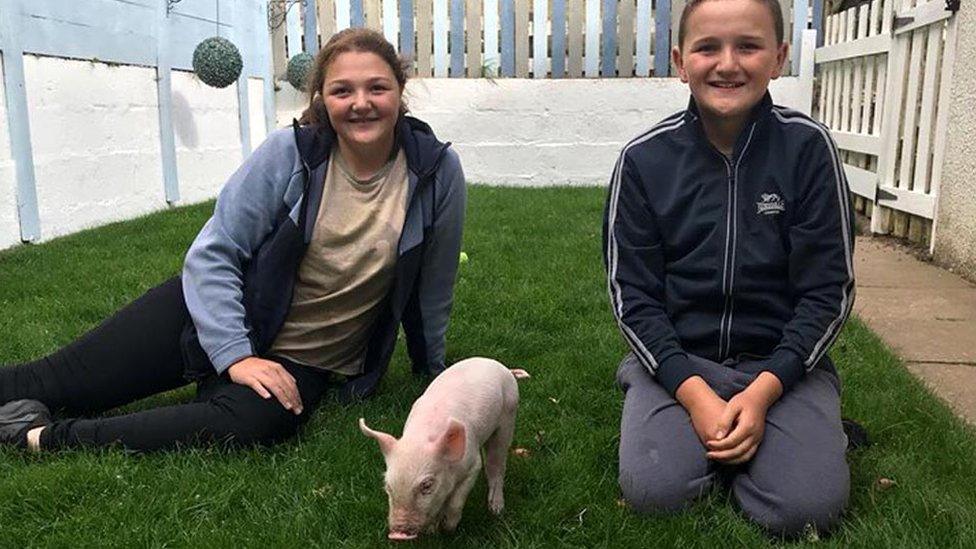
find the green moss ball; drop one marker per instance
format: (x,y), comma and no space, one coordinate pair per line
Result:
(217,62)
(299,68)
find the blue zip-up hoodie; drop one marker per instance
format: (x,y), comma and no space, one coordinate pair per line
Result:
(730,258)
(240,271)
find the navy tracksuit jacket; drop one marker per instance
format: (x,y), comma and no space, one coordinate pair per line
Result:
(748,257)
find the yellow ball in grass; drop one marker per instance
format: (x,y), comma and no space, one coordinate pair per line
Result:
(463,258)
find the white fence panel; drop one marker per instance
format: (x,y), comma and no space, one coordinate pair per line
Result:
(883,77)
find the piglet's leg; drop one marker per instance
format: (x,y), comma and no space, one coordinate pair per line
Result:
(455,503)
(496,454)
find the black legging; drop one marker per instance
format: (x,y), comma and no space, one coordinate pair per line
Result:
(134,354)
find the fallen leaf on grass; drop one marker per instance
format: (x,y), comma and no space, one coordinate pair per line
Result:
(884,483)
(521,452)
(811,534)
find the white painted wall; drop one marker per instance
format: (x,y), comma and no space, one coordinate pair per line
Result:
(208,136)
(545,132)
(94,125)
(9,229)
(289,103)
(96,142)
(563,132)
(95,136)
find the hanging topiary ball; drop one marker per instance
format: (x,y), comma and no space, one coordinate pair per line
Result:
(217,62)
(299,67)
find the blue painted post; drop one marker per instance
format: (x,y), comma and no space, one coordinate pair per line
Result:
(18,124)
(818,13)
(662,37)
(311,27)
(609,58)
(406,29)
(164,95)
(356,13)
(508,37)
(558,38)
(457,38)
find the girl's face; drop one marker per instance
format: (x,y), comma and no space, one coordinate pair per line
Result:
(362,97)
(728,57)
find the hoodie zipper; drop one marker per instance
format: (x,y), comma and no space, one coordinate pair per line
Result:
(731,235)
(303,214)
(726,268)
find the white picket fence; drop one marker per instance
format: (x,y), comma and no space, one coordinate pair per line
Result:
(885,73)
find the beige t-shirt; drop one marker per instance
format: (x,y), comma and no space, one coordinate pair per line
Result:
(347,269)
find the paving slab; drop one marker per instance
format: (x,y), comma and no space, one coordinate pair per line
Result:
(925,313)
(892,304)
(929,340)
(881,263)
(953,383)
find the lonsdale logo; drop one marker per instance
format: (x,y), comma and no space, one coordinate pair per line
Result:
(770,204)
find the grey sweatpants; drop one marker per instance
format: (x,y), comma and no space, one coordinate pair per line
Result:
(798,476)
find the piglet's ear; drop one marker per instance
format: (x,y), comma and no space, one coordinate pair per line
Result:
(452,443)
(386,441)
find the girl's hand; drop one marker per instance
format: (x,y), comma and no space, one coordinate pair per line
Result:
(267,378)
(743,423)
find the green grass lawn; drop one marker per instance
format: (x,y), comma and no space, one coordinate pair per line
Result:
(533,296)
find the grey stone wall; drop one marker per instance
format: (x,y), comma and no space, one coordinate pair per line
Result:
(955,231)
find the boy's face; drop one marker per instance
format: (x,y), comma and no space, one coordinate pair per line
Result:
(729,55)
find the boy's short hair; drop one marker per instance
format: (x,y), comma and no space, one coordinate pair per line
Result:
(772,5)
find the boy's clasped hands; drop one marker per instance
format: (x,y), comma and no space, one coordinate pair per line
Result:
(730,430)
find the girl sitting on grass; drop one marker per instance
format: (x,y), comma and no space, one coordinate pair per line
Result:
(728,247)
(330,235)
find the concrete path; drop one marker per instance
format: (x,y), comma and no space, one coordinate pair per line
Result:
(925,313)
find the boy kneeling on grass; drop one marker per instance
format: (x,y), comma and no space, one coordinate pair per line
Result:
(728,242)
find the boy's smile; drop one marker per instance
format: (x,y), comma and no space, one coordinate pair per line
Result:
(728,57)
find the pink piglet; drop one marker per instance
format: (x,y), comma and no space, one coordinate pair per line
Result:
(431,468)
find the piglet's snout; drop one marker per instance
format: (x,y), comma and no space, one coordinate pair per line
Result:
(405,524)
(401,536)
